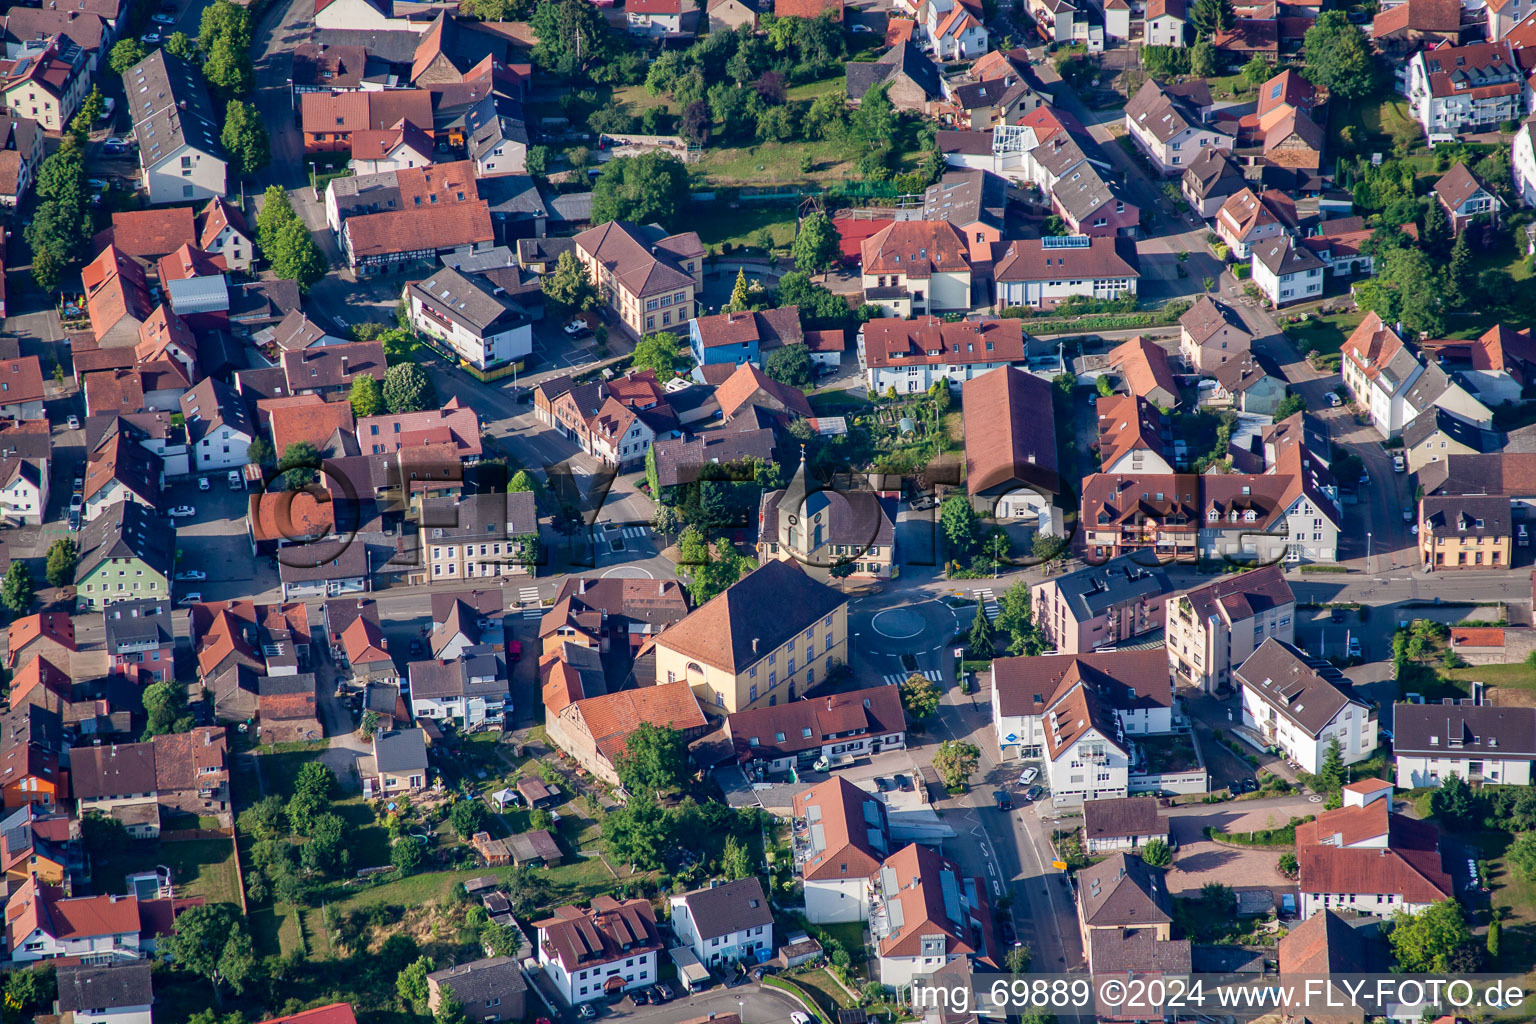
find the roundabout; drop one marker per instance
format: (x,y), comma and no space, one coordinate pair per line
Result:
(917,627)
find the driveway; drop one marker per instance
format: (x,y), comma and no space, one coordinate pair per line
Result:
(1199,861)
(755,1003)
(217,541)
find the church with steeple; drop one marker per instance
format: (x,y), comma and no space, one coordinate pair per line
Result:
(824,526)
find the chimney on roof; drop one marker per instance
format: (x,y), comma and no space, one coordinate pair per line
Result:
(582,586)
(343,364)
(754,645)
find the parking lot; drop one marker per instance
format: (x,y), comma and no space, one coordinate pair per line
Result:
(755,1003)
(1199,861)
(217,542)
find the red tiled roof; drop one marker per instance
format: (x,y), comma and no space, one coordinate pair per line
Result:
(153,233)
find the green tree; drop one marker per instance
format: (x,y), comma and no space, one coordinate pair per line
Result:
(210,940)
(179,44)
(405,854)
(17,589)
(981,640)
(224,20)
(408,389)
(639,833)
(1035,1017)
(735,861)
(740,298)
(125,54)
(265,819)
(1462,274)
(449,1009)
(920,697)
(956,761)
(815,247)
(467,817)
(326,852)
(1204,59)
(1290,405)
(63,556)
(568,286)
(275,213)
(1493,941)
(1016,621)
(522,480)
(1155,852)
(1209,17)
(1408,286)
(654,759)
(245,137)
(300,464)
(1018,959)
(665,521)
(1258,70)
(649,188)
(369,724)
(295,256)
(958,523)
(572,38)
(30,991)
(85,118)
(526,888)
(1287,865)
(1103,385)
(1338,57)
(411,983)
(790,364)
(1330,775)
(366,396)
(228,68)
(259,452)
(1424,943)
(315,779)
(657,352)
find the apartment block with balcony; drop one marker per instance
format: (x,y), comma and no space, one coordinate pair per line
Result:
(1302,705)
(648,278)
(1459,89)
(1099,605)
(1465,532)
(1480,743)
(1212,628)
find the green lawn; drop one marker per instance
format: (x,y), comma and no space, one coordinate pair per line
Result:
(1515,677)
(1373,121)
(848,934)
(838,403)
(811,90)
(1515,895)
(1326,334)
(824,990)
(776,163)
(199,867)
(719,224)
(633,99)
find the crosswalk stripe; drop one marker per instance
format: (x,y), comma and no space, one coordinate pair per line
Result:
(533,613)
(896,678)
(635,531)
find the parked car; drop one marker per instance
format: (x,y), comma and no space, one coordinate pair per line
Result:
(1033,793)
(1407,513)
(1333,400)
(904,783)
(235,483)
(1353,648)
(182,512)
(641,997)
(153,38)
(203,484)
(161,18)
(924,502)
(77,502)
(192,574)
(189,599)
(415,647)
(74,520)
(98,184)
(658,996)
(114,147)
(665,990)
(1336,614)
(799,1017)
(884,784)
(576,328)
(587,1011)
(1004,801)
(108,108)
(72,422)
(1029,775)
(1399,464)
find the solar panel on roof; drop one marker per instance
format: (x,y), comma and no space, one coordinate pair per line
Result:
(1065,242)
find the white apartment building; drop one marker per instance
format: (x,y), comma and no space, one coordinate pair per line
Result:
(1286,272)
(472,316)
(1212,628)
(726,923)
(1481,743)
(1301,705)
(1379,370)
(607,949)
(1458,89)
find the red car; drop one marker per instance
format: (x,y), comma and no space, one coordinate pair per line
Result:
(515,652)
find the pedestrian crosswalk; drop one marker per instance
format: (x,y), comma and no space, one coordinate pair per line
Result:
(895,678)
(529,598)
(988,602)
(636,531)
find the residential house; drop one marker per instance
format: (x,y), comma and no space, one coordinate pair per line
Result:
(1436,434)
(1124,909)
(1523,160)
(1134,436)
(1123,823)
(1099,605)
(39,842)
(125,554)
(328,370)
(367,651)
(1479,743)
(1403,29)
(746,336)
(1464,198)
(333,121)
(346,573)
(21,153)
(609,613)
(1216,627)
(741,650)
(477,536)
(1246,220)
(1435,388)
(1060,21)
(1303,705)
(1341,245)
(1210,334)
(826,526)
(472,690)
(222,231)
(1010,451)
(1454,90)
(985,104)
(23,492)
(656,19)
(121,471)
(1210,180)
(725,923)
(473,316)
(830,730)
(595,729)
(1143,366)
(841,835)
(402,144)
(1378,370)
(219,427)
(1246,385)
(141,641)
(1168,130)
(730,15)
(913,82)
(46,79)
(31,738)
(400,761)
(43,923)
(604,950)
(1366,858)
(182,771)
(1465,532)
(1041,273)
(955,31)
(426,212)
(489,990)
(287,708)
(647,277)
(912,355)
(911,268)
(49,634)
(181,157)
(1286,272)
(1164,22)
(924,914)
(116,298)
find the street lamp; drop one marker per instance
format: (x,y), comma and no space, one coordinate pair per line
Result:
(1367,551)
